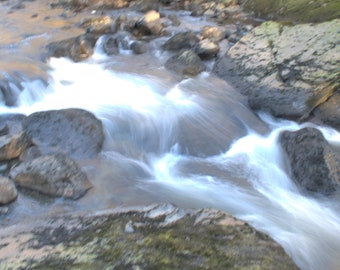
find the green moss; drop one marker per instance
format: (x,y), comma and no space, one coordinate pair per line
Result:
(295,10)
(183,245)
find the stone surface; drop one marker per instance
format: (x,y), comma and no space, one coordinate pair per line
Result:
(78,48)
(152,237)
(75,132)
(185,62)
(314,165)
(180,41)
(207,50)
(54,175)
(8,191)
(12,146)
(288,81)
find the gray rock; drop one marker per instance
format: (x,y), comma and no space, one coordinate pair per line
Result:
(314,165)
(8,191)
(288,67)
(185,62)
(184,40)
(100,25)
(139,47)
(54,175)
(75,132)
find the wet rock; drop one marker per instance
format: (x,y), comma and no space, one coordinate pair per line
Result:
(12,146)
(174,19)
(213,33)
(152,237)
(185,62)
(295,11)
(11,123)
(9,92)
(8,191)
(288,81)
(112,44)
(54,175)
(75,132)
(207,50)
(314,165)
(78,48)
(329,111)
(100,25)
(79,5)
(150,24)
(139,47)
(145,5)
(184,40)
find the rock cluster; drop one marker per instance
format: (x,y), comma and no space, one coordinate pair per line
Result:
(41,152)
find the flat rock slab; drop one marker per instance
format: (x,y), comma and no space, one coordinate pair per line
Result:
(153,237)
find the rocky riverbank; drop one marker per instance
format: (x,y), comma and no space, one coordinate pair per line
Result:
(290,71)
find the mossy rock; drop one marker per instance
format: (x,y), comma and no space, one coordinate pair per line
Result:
(294,10)
(156,237)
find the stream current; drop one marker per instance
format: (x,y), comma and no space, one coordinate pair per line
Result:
(143,108)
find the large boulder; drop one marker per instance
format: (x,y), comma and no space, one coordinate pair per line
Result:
(54,175)
(152,237)
(8,191)
(295,11)
(314,165)
(75,132)
(291,69)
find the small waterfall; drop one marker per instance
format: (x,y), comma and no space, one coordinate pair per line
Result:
(145,157)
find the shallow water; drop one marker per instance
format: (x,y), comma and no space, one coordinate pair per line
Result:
(189,141)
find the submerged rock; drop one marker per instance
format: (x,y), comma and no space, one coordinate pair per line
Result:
(314,165)
(153,237)
(55,175)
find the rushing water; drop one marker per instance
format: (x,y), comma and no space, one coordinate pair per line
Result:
(147,158)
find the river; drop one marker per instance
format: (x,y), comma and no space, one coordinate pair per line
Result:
(146,158)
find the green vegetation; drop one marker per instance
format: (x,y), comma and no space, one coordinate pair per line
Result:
(295,10)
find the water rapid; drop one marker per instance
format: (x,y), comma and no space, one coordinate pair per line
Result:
(159,135)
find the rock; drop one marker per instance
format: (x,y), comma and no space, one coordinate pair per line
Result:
(145,5)
(185,62)
(100,25)
(139,47)
(12,146)
(78,48)
(8,191)
(329,111)
(79,5)
(207,50)
(75,132)
(184,40)
(174,19)
(112,44)
(213,33)
(288,81)
(152,237)
(11,123)
(54,175)
(9,92)
(314,165)
(294,11)
(150,24)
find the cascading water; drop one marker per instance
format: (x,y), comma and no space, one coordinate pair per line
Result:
(190,142)
(145,160)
